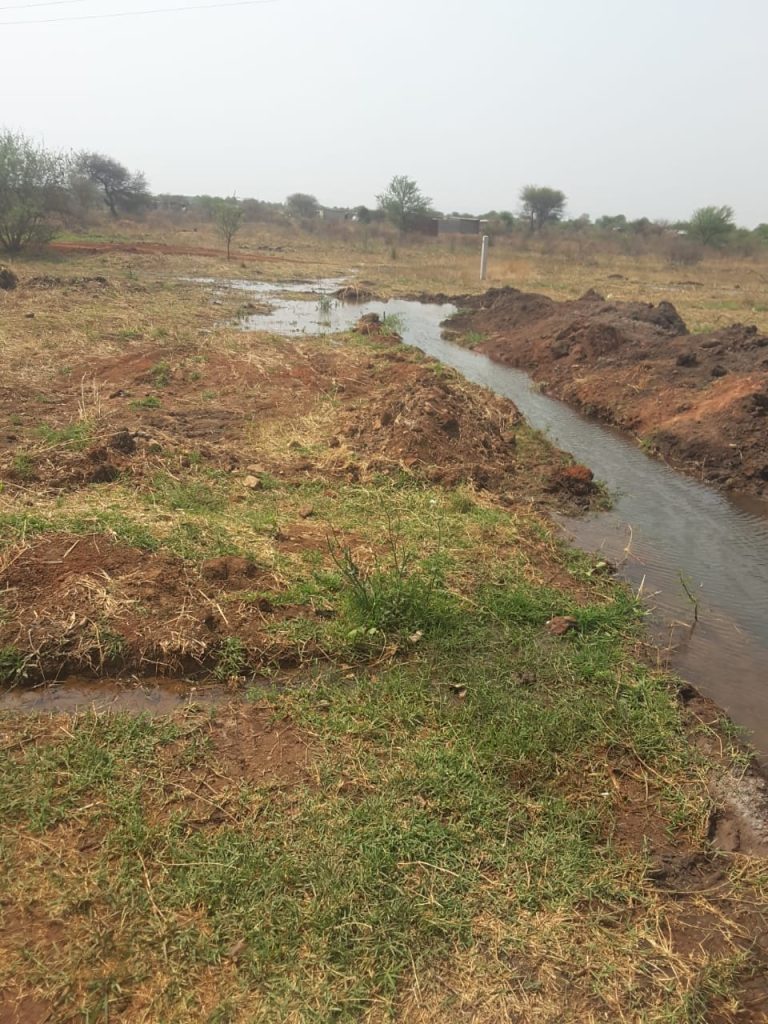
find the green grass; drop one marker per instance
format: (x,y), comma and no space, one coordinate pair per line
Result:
(472,339)
(428,815)
(150,402)
(231,659)
(75,435)
(12,665)
(190,494)
(23,466)
(161,374)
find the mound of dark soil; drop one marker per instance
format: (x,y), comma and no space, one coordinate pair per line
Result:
(449,432)
(47,281)
(699,399)
(354,293)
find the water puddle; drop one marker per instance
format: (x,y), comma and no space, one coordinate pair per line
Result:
(153,696)
(693,553)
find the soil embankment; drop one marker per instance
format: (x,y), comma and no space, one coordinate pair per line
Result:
(122,579)
(699,400)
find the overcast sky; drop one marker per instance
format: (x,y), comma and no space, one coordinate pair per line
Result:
(642,107)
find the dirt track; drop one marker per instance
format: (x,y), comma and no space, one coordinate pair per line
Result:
(698,400)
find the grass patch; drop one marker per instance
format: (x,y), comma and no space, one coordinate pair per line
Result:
(161,374)
(23,466)
(231,659)
(191,494)
(12,665)
(75,435)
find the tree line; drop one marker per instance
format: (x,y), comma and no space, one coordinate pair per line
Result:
(41,189)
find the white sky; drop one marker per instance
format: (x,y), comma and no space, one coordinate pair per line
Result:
(642,107)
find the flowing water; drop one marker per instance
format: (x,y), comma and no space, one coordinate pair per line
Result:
(688,548)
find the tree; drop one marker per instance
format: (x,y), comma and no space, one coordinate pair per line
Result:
(711,225)
(32,191)
(541,205)
(403,202)
(617,222)
(302,206)
(123,192)
(228,218)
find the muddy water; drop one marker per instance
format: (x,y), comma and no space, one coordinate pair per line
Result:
(688,549)
(74,695)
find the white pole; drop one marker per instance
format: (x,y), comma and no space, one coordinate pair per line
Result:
(484,258)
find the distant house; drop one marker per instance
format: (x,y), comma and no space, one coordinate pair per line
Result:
(335,216)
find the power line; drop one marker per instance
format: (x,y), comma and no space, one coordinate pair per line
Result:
(136,14)
(45,3)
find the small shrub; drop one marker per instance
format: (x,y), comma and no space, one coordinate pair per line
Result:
(684,252)
(150,402)
(400,601)
(8,280)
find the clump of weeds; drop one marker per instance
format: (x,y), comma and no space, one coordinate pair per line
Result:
(161,374)
(231,659)
(150,402)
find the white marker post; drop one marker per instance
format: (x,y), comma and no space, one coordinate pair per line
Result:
(484,258)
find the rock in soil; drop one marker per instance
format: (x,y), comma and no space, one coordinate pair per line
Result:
(561,624)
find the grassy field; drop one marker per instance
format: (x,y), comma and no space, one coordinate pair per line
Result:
(720,290)
(409,798)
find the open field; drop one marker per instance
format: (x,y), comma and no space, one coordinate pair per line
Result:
(441,779)
(717,292)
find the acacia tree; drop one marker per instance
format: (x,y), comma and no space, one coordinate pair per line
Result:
(228,218)
(302,206)
(542,205)
(711,225)
(403,202)
(124,192)
(32,192)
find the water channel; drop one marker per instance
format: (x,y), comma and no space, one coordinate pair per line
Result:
(677,541)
